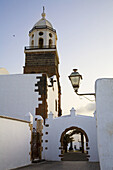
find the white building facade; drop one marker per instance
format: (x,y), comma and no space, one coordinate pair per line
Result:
(104,112)
(15,142)
(19,95)
(55,128)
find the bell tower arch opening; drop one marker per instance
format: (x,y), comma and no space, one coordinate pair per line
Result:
(74,144)
(50,43)
(32,43)
(41,42)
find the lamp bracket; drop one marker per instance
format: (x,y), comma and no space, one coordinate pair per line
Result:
(85,94)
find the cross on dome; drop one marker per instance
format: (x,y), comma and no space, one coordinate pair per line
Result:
(43,21)
(43,9)
(43,14)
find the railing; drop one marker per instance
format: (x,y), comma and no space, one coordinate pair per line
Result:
(40,47)
(42,27)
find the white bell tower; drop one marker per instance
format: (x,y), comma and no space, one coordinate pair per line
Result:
(42,34)
(41,55)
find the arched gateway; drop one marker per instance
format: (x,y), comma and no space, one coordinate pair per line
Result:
(55,129)
(64,143)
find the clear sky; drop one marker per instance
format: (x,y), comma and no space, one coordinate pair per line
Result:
(85,41)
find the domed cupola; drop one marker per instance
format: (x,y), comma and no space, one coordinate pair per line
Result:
(42,35)
(43,21)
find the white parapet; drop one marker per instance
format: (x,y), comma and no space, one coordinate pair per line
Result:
(55,128)
(29,117)
(50,115)
(72,112)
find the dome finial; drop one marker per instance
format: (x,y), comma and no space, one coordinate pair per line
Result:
(43,14)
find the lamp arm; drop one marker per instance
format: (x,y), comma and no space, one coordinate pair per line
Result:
(85,94)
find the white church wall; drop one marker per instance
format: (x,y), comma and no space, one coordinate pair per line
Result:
(53,38)
(78,145)
(45,37)
(56,126)
(104,110)
(77,142)
(15,138)
(18,96)
(52,95)
(37,36)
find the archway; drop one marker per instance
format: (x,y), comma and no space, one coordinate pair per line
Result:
(32,43)
(50,43)
(41,43)
(76,152)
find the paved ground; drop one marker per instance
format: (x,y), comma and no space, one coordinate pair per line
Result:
(75,156)
(72,161)
(63,165)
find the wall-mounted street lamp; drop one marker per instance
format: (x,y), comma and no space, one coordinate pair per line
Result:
(75,78)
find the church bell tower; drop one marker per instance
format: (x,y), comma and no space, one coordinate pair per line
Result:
(41,55)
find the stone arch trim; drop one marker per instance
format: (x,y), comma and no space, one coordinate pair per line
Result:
(43,106)
(72,128)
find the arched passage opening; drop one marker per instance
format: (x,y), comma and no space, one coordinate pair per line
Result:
(74,144)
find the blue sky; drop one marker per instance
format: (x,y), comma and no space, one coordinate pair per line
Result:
(85,41)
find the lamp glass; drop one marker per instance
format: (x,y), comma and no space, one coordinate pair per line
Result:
(75,80)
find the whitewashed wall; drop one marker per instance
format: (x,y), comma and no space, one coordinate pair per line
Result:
(58,125)
(17,95)
(52,95)
(104,109)
(15,138)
